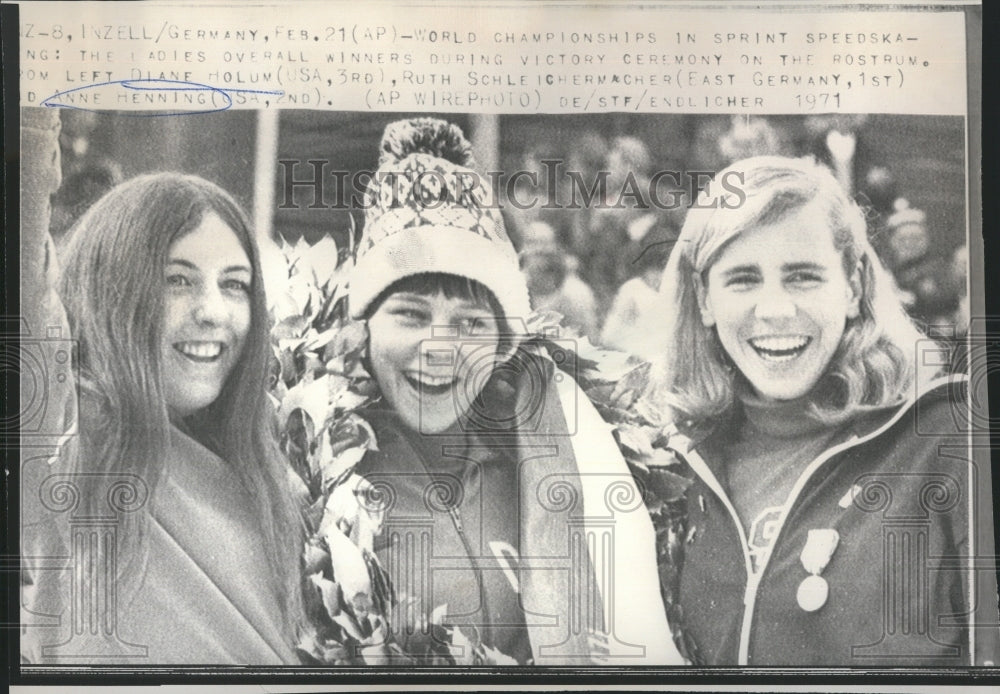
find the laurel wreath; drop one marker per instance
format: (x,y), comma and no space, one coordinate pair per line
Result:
(321,387)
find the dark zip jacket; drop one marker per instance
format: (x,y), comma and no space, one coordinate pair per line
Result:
(896,489)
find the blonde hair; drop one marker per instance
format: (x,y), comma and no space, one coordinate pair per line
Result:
(874,365)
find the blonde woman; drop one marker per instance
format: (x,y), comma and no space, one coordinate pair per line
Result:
(791,375)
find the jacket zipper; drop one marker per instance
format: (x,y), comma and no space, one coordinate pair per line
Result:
(753,579)
(456,520)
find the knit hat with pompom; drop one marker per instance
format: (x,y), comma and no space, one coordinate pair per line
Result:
(429,211)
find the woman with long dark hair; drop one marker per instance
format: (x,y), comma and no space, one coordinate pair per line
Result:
(162,285)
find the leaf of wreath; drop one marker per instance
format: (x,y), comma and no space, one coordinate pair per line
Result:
(320,354)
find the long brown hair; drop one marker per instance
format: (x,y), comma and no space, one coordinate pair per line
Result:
(112,288)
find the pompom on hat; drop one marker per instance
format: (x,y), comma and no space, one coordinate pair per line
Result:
(429,211)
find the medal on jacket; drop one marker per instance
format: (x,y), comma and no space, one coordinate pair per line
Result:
(813,592)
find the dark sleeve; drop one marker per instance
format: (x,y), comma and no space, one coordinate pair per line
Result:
(963,570)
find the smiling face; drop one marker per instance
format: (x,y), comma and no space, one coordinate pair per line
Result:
(206,316)
(779,299)
(429,379)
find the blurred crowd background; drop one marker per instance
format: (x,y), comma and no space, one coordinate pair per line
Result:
(599,264)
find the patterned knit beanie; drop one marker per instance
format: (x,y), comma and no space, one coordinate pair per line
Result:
(429,211)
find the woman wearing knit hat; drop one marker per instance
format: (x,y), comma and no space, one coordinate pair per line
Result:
(497,473)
